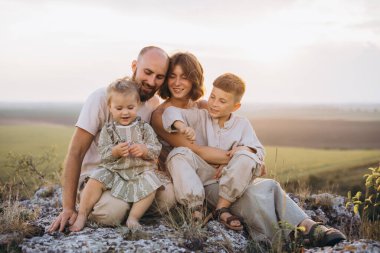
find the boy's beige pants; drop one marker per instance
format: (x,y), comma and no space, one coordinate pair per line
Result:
(190,173)
(260,202)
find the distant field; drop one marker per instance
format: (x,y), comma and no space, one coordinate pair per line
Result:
(325,134)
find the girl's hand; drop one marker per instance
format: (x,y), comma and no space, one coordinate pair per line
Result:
(138,150)
(120,150)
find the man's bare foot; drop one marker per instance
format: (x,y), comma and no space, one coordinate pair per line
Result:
(79,223)
(133,223)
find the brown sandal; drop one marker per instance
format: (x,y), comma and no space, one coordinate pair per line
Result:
(217,213)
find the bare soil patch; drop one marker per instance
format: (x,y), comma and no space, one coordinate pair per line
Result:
(318,133)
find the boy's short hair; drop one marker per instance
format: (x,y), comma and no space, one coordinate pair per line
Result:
(192,69)
(125,86)
(231,83)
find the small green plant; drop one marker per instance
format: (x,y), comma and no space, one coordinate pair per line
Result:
(371,198)
(288,238)
(368,206)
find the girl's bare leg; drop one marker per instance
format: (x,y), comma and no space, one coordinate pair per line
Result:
(90,195)
(138,209)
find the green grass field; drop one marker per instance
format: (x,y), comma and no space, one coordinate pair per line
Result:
(33,140)
(283,163)
(286,163)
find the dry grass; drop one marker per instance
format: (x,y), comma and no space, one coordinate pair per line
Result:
(17,218)
(370,229)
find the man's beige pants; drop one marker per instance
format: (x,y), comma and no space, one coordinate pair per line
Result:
(112,211)
(262,203)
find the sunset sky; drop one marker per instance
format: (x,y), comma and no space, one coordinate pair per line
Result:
(287,51)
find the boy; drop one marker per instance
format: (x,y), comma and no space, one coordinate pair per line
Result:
(217,127)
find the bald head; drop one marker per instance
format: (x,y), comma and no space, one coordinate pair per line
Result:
(149,70)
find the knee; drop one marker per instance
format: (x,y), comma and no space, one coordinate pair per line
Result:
(165,199)
(109,210)
(178,152)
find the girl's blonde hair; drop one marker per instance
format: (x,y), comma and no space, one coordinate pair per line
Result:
(125,86)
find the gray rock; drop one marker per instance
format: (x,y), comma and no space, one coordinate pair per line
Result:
(158,237)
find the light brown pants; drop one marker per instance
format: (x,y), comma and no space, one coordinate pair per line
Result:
(190,173)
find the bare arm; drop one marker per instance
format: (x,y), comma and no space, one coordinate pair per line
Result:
(209,154)
(79,145)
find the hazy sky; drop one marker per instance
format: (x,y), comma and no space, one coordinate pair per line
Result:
(286,51)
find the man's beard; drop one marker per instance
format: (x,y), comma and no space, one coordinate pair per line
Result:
(143,95)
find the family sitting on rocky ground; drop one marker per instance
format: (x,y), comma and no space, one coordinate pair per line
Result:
(131,155)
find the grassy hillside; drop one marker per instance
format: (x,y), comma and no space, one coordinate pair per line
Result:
(34,140)
(343,167)
(337,170)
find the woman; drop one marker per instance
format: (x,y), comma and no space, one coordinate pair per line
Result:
(183,88)
(264,203)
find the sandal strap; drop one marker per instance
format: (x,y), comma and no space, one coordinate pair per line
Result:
(217,213)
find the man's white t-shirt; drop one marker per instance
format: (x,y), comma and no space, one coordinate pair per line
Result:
(95,114)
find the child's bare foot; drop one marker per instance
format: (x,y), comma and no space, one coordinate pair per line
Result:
(78,224)
(133,223)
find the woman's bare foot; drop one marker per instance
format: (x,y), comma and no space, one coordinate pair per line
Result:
(79,223)
(133,223)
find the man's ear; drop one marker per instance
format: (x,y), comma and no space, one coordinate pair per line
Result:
(134,66)
(236,106)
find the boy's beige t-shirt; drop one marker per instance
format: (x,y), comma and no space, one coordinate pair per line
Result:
(237,130)
(95,114)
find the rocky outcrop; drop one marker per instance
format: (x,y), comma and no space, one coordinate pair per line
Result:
(158,236)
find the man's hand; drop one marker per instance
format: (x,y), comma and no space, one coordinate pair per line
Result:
(138,150)
(64,218)
(120,150)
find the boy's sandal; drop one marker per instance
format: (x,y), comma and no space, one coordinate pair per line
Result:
(217,213)
(321,236)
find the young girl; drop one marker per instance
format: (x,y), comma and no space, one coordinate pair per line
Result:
(129,150)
